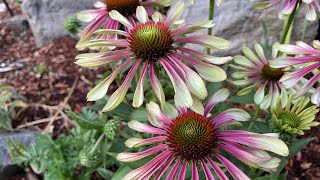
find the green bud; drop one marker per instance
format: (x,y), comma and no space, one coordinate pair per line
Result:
(110,128)
(86,158)
(72,25)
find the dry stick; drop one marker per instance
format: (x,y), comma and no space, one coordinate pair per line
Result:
(37,122)
(61,107)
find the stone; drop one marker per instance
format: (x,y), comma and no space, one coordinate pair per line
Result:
(17,21)
(46,17)
(24,137)
(240,23)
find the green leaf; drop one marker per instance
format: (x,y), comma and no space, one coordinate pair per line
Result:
(105,173)
(84,123)
(122,171)
(5,121)
(246,99)
(213,87)
(298,145)
(140,114)
(294,148)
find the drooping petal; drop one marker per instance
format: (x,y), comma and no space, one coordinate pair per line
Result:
(138,96)
(137,142)
(220,96)
(140,127)
(101,89)
(258,141)
(129,157)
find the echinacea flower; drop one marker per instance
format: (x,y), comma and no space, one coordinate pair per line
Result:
(297,116)
(310,59)
(192,139)
(288,6)
(255,73)
(100,18)
(151,44)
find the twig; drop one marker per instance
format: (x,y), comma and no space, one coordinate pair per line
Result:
(61,106)
(37,122)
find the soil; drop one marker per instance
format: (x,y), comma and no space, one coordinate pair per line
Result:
(48,74)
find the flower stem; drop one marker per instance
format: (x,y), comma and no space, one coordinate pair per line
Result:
(211,15)
(96,144)
(288,24)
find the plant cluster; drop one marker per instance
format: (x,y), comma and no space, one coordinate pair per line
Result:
(175,109)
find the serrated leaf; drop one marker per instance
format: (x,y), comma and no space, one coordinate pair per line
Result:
(84,123)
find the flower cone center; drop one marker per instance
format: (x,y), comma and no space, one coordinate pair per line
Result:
(192,137)
(273,74)
(125,7)
(290,118)
(150,41)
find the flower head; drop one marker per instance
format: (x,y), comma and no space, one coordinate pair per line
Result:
(288,6)
(255,72)
(100,17)
(152,44)
(192,138)
(306,69)
(296,117)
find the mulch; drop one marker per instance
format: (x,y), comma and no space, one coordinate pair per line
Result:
(51,86)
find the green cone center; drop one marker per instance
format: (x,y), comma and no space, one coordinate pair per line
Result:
(290,118)
(125,7)
(150,41)
(192,137)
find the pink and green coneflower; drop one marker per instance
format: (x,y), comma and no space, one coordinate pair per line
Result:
(151,44)
(100,18)
(307,64)
(288,6)
(255,72)
(192,139)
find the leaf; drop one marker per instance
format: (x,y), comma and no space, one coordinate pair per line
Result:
(213,87)
(294,148)
(140,114)
(246,99)
(5,121)
(105,173)
(121,172)
(298,145)
(84,123)
(15,148)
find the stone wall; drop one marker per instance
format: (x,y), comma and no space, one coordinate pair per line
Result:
(46,17)
(238,22)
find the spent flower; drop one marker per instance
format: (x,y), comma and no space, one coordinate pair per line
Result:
(153,44)
(255,72)
(190,137)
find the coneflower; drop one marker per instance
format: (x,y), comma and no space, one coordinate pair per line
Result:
(100,18)
(152,44)
(255,72)
(307,63)
(191,139)
(288,6)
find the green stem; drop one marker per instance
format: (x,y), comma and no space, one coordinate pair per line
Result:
(211,15)
(288,25)
(256,113)
(96,144)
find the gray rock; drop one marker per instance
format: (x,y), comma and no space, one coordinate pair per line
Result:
(46,17)
(25,137)
(17,21)
(240,23)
